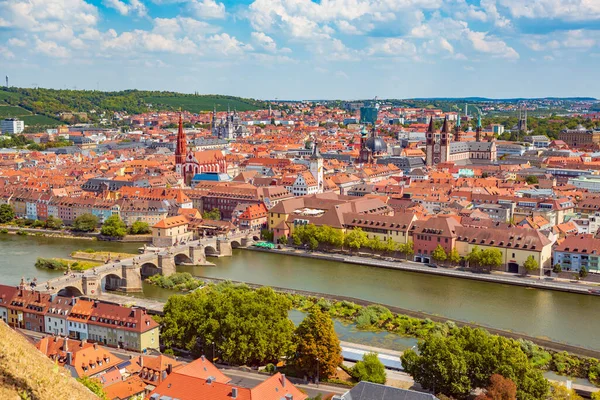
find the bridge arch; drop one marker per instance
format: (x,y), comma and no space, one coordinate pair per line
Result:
(149,269)
(235,244)
(256,238)
(70,291)
(210,251)
(111,281)
(183,258)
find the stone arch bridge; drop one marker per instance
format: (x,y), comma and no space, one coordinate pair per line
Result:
(127,275)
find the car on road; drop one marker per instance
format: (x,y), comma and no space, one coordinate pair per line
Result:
(431,265)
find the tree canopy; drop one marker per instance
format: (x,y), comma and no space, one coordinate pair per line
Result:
(370,369)
(214,214)
(531,264)
(7,213)
(247,326)
(500,388)
(439,254)
(114,227)
(467,358)
(139,228)
(316,339)
(85,223)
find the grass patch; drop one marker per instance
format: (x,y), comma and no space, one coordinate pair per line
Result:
(40,120)
(12,111)
(100,256)
(62,264)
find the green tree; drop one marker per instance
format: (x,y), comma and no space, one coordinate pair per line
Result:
(390,246)
(532,180)
(296,238)
(267,235)
(94,385)
(531,264)
(316,339)
(370,369)
(248,327)
(558,391)
(283,240)
(407,249)
(356,238)
(140,228)
(214,214)
(114,227)
(7,214)
(490,258)
(375,243)
(53,223)
(466,359)
(85,223)
(313,243)
(596,395)
(557,269)
(454,257)
(583,273)
(439,254)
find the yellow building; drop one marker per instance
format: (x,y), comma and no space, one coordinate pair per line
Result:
(170,231)
(516,245)
(396,227)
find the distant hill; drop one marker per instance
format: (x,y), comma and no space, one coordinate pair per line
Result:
(25,373)
(510,100)
(50,102)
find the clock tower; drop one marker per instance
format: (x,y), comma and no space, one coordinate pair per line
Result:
(437,144)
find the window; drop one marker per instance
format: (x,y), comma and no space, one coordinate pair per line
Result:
(513,255)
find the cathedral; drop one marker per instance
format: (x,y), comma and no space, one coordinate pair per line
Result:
(371,146)
(230,127)
(188,162)
(445,146)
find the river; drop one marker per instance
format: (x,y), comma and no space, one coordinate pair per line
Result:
(563,317)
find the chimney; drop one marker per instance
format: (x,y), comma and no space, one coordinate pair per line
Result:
(73,300)
(39,297)
(210,380)
(141,362)
(289,396)
(83,342)
(66,345)
(95,346)
(283,380)
(169,369)
(203,358)
(234,393)
(69,358)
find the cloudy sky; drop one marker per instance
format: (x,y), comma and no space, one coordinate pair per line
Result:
(306,49)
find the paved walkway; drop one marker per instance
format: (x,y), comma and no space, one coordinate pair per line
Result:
(496,277)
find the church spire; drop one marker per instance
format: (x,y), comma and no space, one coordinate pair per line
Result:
(478,129)
(431,126)
(445,128)
(457,131)
(181,144)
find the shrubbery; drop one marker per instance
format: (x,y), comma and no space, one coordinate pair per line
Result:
(178,281)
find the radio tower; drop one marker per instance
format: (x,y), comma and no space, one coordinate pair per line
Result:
(7,81)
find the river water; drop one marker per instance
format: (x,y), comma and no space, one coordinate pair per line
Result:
(564,317)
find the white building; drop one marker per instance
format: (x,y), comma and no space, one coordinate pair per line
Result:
(304,184)
(12,126)
(589,182)
(56,317)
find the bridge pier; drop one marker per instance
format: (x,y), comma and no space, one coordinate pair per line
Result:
(224,248)
(91,285)
(132,278)
(166,262)
(247,241)
(197,255)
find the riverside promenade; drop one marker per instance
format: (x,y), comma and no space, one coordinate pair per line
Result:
(403,265)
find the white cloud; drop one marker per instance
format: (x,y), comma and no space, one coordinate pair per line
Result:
(51,49)
(6,53)
(16,42)
(440,45)
(208,9)
(492,13)
(395,47)
(137,40)
(571,10)
(48,15)
(573,39)
(484,43)
(187,26)
(133,7)
(264,41)
(227,45)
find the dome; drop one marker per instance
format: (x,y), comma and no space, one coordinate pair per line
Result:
(376,144)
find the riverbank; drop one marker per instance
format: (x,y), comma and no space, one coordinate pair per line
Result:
(156,307)
(66,234)
(494,277)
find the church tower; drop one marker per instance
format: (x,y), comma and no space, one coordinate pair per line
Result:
(457,130)
(180,151)
(316,166)
(430,140)
(445,141)
(478,129)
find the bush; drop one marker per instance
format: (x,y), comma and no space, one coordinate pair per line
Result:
(22,233)
(49,263)
(140,228)
(270,368)
(4,230)
(90,251)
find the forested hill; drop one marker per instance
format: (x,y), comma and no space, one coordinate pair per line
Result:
(50,102)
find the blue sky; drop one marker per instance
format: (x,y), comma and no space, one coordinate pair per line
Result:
(306,49)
